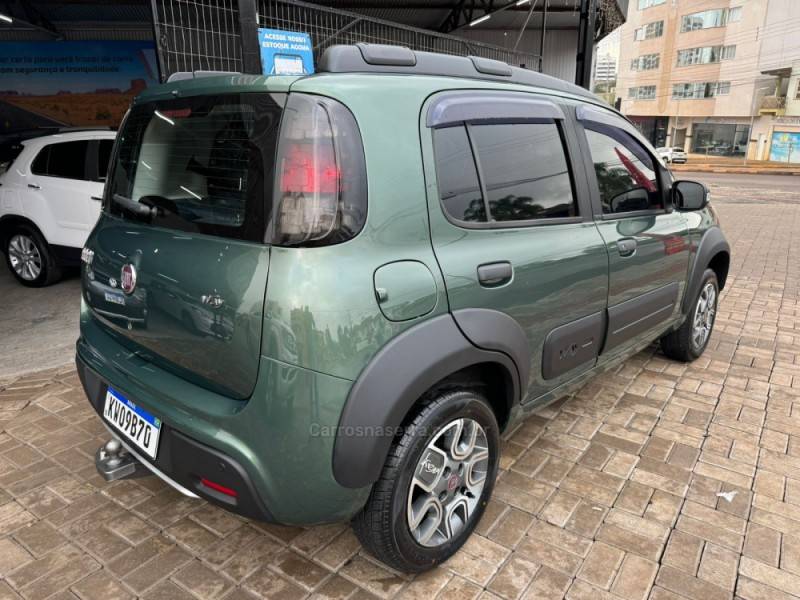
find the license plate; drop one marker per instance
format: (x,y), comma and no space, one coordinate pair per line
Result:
(115,298)
(136,424)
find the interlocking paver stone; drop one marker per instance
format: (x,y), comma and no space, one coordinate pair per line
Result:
(656,480)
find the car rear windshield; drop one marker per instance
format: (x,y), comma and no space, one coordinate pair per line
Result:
(198,164)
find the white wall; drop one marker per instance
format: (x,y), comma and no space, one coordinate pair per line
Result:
(559,47)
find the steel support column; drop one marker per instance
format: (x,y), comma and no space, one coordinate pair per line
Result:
(248,23)
(583,66)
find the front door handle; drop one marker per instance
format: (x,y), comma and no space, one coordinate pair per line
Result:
(626,246)
(33,186)
(98,198)
(495,274)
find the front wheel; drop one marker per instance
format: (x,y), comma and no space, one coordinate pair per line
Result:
(689,341)
(435,485)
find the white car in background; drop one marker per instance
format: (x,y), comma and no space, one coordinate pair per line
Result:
(50,194)
(672,155)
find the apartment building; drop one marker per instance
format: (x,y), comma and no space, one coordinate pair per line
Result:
(605,69)
(690,73)
(776,131)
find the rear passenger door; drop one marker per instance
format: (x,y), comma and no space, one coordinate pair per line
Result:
(60,186)
(647,241)
(512,227)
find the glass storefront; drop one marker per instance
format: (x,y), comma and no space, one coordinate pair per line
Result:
(720,139)
(653,128)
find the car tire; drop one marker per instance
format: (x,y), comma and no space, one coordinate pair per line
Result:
(689,341)
(29,257)
(432,470)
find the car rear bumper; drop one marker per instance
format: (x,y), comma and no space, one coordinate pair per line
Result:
(277,445)
(183,462)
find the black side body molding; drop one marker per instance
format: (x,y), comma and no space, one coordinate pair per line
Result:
(712,243)
(396,377)
(573,344)
(628,319)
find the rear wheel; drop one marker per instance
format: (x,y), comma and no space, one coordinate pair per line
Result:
(435,485)
(30,259)
(689,341)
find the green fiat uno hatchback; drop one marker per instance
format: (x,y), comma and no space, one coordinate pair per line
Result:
(324,298)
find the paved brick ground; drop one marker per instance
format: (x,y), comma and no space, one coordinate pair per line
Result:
(659,481)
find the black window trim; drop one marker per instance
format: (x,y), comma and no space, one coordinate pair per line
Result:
(493,224)
(604,122)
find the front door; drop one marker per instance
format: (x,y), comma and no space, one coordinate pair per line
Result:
(647,242)
(512,228)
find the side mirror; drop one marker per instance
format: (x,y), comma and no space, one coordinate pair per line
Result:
(689,195)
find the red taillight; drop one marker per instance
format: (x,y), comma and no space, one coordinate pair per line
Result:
(309,168)
(218,488)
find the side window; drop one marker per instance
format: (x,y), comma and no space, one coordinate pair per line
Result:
(524,170)
(626,173)
(39,166)
(103,158)
(67,160)
(459,189)
(521,168)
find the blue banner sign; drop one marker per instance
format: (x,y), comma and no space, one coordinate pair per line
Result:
(285,52)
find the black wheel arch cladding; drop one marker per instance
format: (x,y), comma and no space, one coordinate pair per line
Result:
(395,379)
(712,245)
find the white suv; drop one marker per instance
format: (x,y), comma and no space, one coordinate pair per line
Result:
(50,194)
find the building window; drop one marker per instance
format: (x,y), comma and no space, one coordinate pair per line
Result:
(710,18)
(797,92)
(645,62)
(648,3)
(642,92)
(705,55)
(649,31)
(720,139)
(703,89)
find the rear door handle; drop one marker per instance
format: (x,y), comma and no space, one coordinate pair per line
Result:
(98,198)
(33,186)
(495,274)
(626,246)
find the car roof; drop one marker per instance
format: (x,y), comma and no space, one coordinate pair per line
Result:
(69,136)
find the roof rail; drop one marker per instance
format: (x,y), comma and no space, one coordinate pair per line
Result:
(182,75)
(384,58)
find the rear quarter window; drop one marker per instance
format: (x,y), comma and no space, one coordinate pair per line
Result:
(9,151)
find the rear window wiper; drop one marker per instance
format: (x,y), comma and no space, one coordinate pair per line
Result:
(139,209)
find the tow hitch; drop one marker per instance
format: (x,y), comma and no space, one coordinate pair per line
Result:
(113,461)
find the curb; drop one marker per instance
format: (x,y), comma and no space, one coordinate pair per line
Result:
(735,171)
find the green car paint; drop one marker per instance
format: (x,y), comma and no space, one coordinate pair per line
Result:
(265,377)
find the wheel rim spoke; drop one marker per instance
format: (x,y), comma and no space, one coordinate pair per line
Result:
(704,314)
(448,482)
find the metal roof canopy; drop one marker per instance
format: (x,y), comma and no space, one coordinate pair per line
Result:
(592,19)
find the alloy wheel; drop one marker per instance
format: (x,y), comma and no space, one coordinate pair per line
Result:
(448,482)
(24,256)
(704,314)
